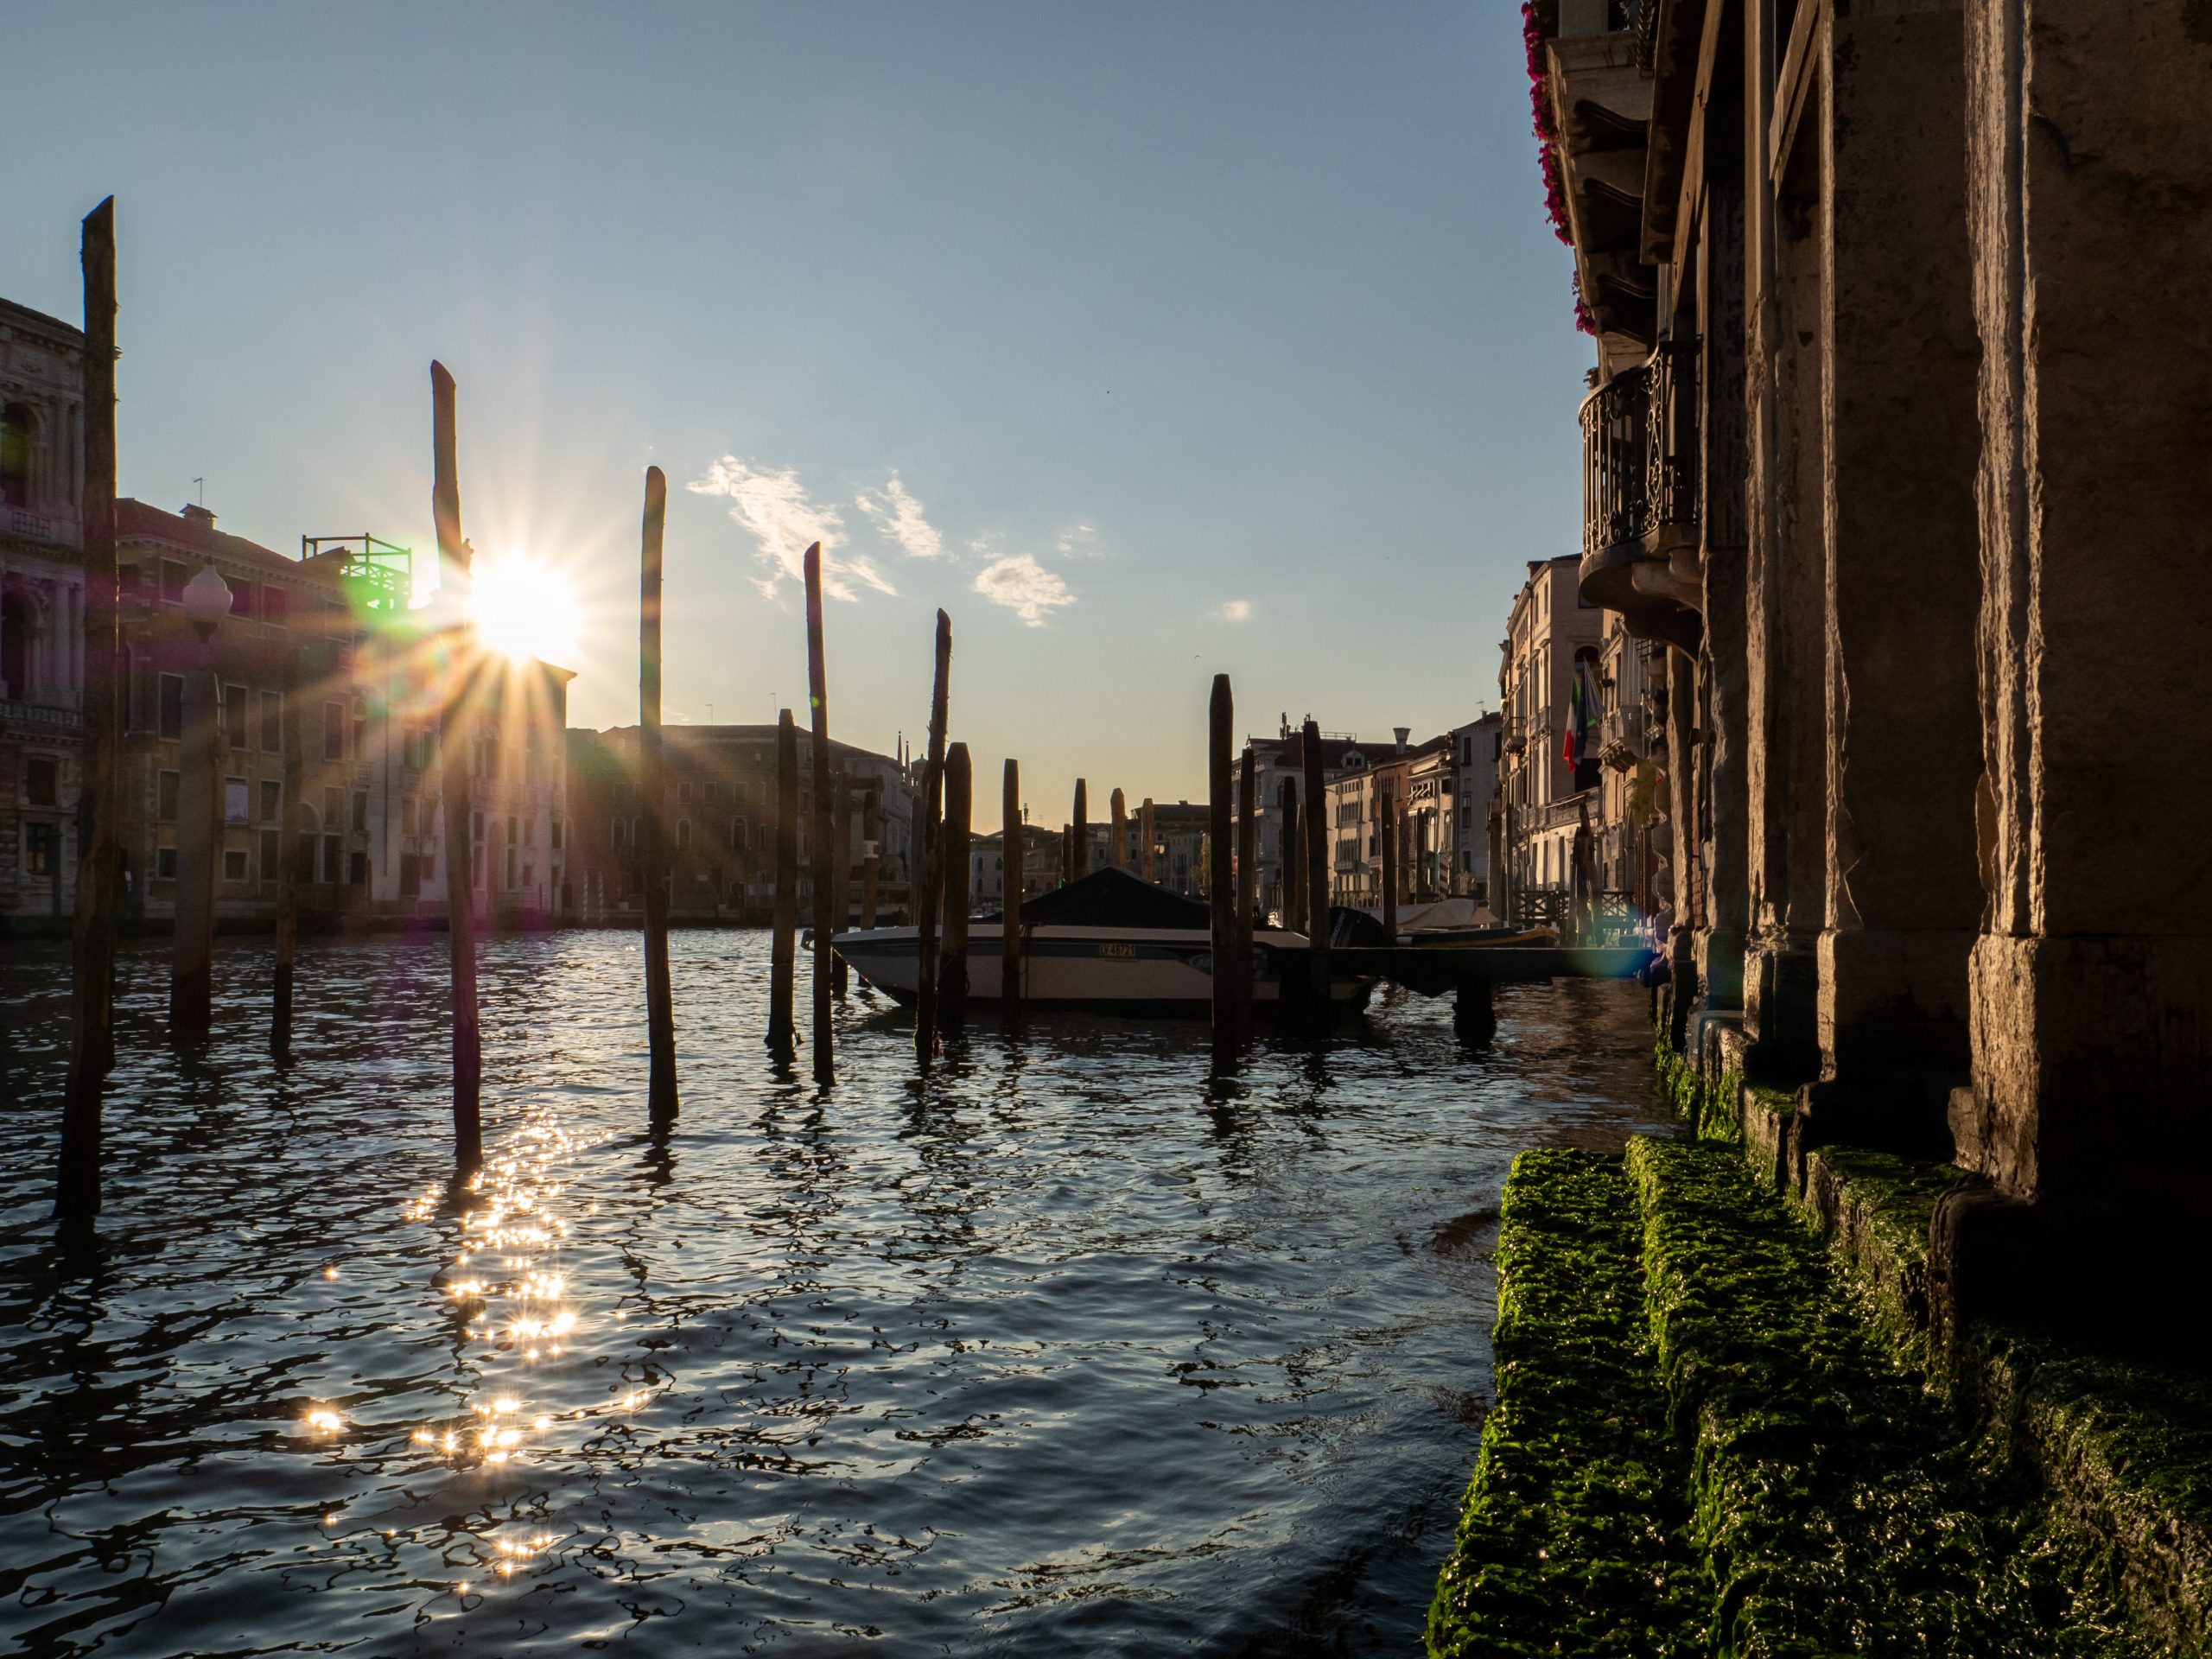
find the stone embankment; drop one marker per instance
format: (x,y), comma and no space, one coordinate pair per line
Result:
(1721,1429)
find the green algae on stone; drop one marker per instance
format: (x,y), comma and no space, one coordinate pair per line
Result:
(1570,1538)
(1836,1507)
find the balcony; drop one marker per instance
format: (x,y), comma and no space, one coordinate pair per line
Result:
(1639,496)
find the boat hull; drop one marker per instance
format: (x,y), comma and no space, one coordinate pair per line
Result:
(1124,970)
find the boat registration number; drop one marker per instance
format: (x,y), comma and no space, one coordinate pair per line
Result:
(1117,950)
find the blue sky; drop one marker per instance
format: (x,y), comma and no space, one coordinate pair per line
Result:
(1238,329)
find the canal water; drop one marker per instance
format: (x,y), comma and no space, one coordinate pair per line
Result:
(1058,1352)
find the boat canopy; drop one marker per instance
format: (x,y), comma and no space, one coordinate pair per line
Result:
(1111,898)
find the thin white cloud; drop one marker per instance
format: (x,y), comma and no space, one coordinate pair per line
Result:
(1237,610)
(772,505)
(1024,587)
(898,517)
(1079,542)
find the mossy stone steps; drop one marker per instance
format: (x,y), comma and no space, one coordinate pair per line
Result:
(1836,1506)
(1571,1540)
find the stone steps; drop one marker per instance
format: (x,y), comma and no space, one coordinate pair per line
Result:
(1704,1444)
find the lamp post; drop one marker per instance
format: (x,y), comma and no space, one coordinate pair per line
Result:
(206,601)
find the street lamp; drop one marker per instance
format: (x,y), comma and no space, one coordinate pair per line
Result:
(192,950)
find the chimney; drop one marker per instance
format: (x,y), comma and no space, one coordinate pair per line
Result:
(196,515)
(1402,734)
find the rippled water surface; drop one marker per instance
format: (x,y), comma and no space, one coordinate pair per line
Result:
(1060,1351)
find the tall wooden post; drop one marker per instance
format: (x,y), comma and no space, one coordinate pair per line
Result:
(91,1036)
(1248,889)
(1317,871)
(452,779)
(199,839)
(841,872)
(783,938)
(1287,849)
(871,860)
(825,856)
(1117,853)
(1017,848)
(1387,828)
(1147,832)
(959,807)
(931,876)
(1079,856)
(660,1004)
(287,863)
(1221,892)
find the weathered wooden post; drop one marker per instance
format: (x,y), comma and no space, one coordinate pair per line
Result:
(840,873)
(1247,891)
(871,860)
(932,875)
(1117,853)
(783,938)
(199,827)
(1221,893)
(1317,872)
(1015,863)
(1289,853)
(92,1035)
(660,1005)
(1147,833)
(453,778)
(825,855)
(287,863)
(959,807)
(1080,852)
(1387,829)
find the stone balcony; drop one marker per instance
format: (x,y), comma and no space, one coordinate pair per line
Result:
(1639,496)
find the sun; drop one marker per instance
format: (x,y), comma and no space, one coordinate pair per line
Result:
(525,607)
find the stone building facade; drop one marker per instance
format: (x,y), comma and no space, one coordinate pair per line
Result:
(1900,372)
(1545,798)
(41,615)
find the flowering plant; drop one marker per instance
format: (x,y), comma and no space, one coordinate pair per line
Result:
(1547,139)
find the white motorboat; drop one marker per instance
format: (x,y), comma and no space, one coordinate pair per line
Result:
(1110,941)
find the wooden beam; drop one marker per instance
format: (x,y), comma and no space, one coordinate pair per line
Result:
(817,697)
(652,784)
(453,773)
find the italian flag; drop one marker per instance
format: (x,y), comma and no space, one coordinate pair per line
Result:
(1582,716)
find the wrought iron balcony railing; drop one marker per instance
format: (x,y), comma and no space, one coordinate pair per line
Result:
(1639,454)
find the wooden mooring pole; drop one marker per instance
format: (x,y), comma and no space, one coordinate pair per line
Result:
(825,856)
(959,807)
(92,1034)
(1290,853)
(1386,814)
(452,779)
(1247,891)
(652,784)
(1013,867)
(783,938)
(1079,845)
(872,860)
(930,878)
(840,873)
(1117,852)
(1317,874)
(288,860)
(1221,894)
(1147,830)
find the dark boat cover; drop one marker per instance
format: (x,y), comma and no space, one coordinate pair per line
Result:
(1111,898)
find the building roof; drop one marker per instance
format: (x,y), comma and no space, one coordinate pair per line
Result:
(21,316)
(193,530)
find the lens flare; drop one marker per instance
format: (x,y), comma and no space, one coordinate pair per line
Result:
(525,606)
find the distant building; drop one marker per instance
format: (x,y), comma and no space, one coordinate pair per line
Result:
(1549,777)
(41,614)
(1040,865)
(719,814)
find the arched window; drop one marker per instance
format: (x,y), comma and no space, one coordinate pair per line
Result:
(1585,711)
(16,624)
(18,447)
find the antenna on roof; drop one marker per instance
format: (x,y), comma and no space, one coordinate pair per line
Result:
(199,485)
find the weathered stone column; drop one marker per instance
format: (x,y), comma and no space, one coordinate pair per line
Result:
(1784,582)
(1900,442)
(1722,822)
(2089,153)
